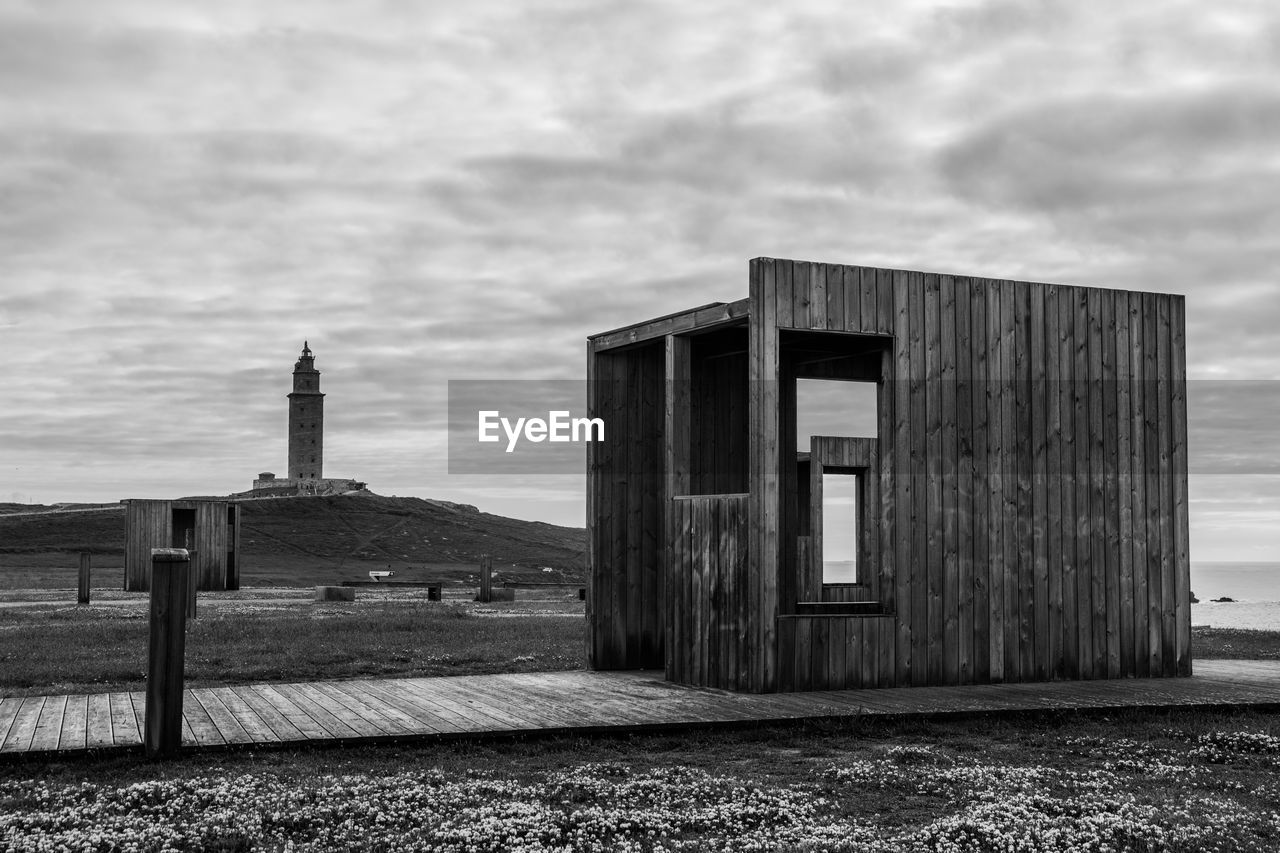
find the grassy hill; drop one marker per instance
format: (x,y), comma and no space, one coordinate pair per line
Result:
(305,540)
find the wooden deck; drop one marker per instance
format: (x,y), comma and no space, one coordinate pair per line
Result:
(360,710)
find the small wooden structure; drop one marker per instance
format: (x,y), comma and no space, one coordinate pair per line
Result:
(1022,503)
(209,528)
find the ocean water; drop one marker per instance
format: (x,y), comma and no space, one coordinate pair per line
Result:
(1254,586)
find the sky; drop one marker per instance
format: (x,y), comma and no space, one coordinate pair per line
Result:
(445,191)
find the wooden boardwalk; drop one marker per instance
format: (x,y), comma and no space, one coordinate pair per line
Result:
(363,710)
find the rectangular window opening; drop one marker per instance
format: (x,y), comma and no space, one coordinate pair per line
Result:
(835,407)
(840,507)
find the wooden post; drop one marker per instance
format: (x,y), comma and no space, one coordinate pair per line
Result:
(193,581)
(170,577)
(486,578)
(84,578)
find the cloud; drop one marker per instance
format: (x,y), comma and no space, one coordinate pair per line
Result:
(432,192)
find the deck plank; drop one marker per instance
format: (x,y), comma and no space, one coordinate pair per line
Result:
(124,727)
(8,713)
(305,701)
(451,690)
(369,704)
(49,726)
(469,706)
(23,728)
(229,727)
(426,717)
(435,691)
(245,715)
(537,690)
(298,717)
(202,728)
(463,718)
(277,721)
(98,729)
(138,702)
(367,708)
(75,723)
(498,693)
(326,711)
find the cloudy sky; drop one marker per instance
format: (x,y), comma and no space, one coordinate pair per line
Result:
(439,191)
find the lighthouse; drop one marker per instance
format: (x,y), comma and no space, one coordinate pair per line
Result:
(306,420)
(306,442)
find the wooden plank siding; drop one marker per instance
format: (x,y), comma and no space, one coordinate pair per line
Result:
(1026,509)
(627,548)
(149,524)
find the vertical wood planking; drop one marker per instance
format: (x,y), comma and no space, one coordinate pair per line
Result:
(630,611)
(1181,531)
(1097,492)
(596,508)
(236,567)
(995,483)
(676,445)
(764,602)
(1023,461)
(699,571)
(1124,484)
(1084,554)
(949,479)
(1168,557)
(873,320)
(1066,450)
(965,517)
(760,291)
(655,513)
(933,560)
(1009,464)
(1110,481)
(916,466)
(852,285)
(838,651)
(1054,481)
(817,296)
(1138,503)
(884,533)
(1039,397)
(835,292)
(979,295)
(900,493)
(1151,512)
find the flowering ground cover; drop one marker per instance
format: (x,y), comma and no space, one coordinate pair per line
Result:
(1235,643)
(1131,782)
(68,649)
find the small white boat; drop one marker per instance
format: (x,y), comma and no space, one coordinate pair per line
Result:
(377,576)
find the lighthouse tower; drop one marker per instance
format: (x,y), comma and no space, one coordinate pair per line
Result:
(306,420)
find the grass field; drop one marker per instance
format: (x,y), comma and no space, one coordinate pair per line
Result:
(276,636)
(1126,782)
(54,646)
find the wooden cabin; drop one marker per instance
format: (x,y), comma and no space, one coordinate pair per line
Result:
(210,528)
(1020,493)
